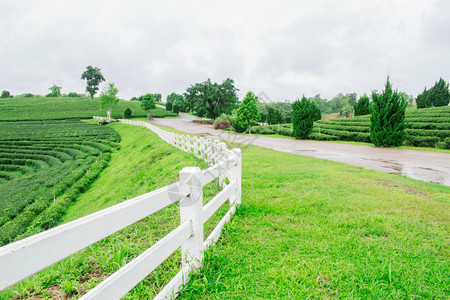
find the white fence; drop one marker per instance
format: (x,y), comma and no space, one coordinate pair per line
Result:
(21,259)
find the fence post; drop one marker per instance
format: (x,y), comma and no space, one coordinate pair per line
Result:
(191,208)
(237,175)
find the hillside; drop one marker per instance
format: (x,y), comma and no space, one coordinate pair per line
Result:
(44,166)
(50,108)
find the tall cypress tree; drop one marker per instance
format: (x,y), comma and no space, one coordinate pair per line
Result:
(440,95)
(387,121)
(302,118)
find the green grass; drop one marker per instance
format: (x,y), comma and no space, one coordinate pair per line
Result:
(310,228)
(46,108)
(143,163)
(307,228)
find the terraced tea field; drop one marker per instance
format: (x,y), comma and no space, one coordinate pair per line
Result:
(45,165)
(429,127)
(48,108)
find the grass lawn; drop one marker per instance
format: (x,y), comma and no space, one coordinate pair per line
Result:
(311,228)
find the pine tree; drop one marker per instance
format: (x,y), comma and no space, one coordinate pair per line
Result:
(440,95)
(302,118)
(317,114)
(247,113)
(362,106)
(387,121)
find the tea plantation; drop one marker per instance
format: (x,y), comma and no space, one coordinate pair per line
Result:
(48,108)
(428,127)
(45,165)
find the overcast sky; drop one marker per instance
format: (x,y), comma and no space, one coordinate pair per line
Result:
(283,48)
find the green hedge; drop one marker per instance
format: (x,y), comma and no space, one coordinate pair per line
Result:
(421,141)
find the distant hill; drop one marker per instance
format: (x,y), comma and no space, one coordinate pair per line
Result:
(54,108)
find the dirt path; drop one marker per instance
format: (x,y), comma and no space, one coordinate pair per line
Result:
(422,165)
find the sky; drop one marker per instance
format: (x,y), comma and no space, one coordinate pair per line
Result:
(284,49)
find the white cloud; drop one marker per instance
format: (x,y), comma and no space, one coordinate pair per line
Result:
(284,48)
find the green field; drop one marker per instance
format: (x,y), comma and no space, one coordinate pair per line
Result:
(429,127)
(50,108)
(44,165)
(314,229)
(307,228)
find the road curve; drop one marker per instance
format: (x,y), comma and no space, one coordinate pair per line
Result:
(422,165)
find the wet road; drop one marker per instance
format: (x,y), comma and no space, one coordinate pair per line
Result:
(422,165)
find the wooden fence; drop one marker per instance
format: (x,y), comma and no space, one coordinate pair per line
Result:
(24,258)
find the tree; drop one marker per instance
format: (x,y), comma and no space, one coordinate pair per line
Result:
(302,118)
(148,103)
(169,106)
(93,78)
(178,100)
(352,99)
(247,113)
(5,94)
(157,97)
(127,113)
(212,99)
(274,116)
(362,106)
(438,95)
(387,121)
(108,98)
(317,115)
(55,91)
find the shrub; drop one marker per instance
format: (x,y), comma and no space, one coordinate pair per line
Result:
(222,124)
(421,141)
(322,137)
(73,94)
(27,95)
(362,106)
(262,130)
(176,108)
(5,94)
(285,131)
(387,122)
(169,106)
(302,118)
(127,113)
(224,117)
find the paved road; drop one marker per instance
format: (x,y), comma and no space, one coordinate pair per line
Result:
(422,165)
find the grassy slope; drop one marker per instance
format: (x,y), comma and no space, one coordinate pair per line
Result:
(37,108)
(319,229)
(143,163)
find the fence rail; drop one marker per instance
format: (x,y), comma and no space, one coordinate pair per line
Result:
(24,258)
